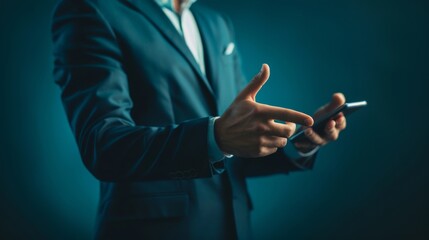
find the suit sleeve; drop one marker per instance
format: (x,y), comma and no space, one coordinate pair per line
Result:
(286,159)
(96,99)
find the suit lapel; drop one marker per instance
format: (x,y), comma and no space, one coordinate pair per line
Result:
(154,13)
(210,51)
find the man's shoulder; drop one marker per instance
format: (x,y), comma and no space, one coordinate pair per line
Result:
(86,5)
(210,13)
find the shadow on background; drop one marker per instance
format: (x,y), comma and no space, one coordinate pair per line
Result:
(372,184)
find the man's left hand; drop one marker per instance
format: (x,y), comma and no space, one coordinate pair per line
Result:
(332,128)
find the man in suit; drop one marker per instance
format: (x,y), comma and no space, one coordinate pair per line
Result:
(143,85)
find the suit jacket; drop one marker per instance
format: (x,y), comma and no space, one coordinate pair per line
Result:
(139,107)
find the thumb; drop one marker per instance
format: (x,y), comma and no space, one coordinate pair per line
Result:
(337,100)
(252,89)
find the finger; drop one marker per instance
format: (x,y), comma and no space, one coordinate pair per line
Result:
(268,145)
(340,123)
(337,100)
(313,137)
(273,142)
(285,114)
(265,151)
(252,89)
(331,132)
(284,130)
(339,115)
(330,125)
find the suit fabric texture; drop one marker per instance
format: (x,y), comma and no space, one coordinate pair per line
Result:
(139,106)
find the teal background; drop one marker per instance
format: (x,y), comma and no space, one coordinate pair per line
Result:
(371,184)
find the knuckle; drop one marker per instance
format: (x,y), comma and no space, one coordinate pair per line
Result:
(256,110)
(261,128)
(259,142)
(289,131)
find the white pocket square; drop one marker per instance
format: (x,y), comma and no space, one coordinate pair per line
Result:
(229,49)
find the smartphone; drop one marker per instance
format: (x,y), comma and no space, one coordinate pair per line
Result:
(320,123)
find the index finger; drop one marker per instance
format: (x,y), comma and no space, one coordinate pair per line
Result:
(285,114)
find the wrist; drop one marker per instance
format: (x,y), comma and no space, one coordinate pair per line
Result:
(218,134)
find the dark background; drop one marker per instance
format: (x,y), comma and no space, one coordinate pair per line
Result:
(372,184)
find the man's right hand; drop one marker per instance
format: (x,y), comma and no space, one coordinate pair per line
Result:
(247,128)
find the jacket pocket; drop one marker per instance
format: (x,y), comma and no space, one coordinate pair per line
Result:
(147,207)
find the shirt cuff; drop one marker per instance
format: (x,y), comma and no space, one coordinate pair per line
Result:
(216,156)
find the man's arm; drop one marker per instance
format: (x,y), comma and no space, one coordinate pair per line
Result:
(95,94)
(96,98)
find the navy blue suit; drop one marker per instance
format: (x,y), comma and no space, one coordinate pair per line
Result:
(139,108)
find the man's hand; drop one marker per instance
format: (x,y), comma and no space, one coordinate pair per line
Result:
(248,129)
(332,127)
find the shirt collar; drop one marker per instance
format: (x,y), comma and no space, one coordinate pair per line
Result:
(186,4)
